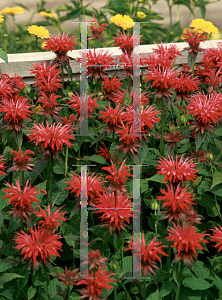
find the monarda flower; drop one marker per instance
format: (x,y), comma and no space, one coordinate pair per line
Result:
(194,41)
(97,31)
(21,200)
(172,138)
(213,79)
(199,155)
(206,110)
(111,86)
(95,282)
(127,43)
(157,61)
(175,171)
(38,246)
(16,82)
(137,97)
(68,277)
(117,179)
(21,162)
(116,210)
(50,221)
(176,202)
(104,152)
(49,108)
(52,137)
(60,46)
(94,258)
(6,89)
(185,85)
(217,237)
(69,122)
(148,253)
(2,165)
(187,241)
(16,110)
(172,50)
(129,63)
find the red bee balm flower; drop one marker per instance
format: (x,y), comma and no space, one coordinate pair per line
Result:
(2,165)
(95,283)
(49,105)
(104,152)
(194,41)
(112,117)
(187,241)
(38,246)
(16,82)
(149,254)
(126,43)
(68,277)
(175,171)
(116,209)
(217,237)
(17,110)
(95,259)
(97,32)
(172,50)
(111,86)
(60,46)
(21,162)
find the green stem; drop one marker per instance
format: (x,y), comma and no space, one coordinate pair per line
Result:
(21,223)
(168,260)
(50,179)
(162,127)
(23,181)
(144,286)
(67,292)
(66,160)
(36,39)
(178,13)
(59,27)
(179,279)
(125,290)
(79,150)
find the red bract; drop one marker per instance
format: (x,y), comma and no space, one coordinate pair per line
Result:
(184,85)
(175,171)
(157,61)
(116,209)
(149,254)
(186,241)
(21,200)
(176,202)
(104,152)
(94,259)
(111,86)
(49,105)
(21,162)
(50,221)
(38,246)
(68,277)
(172,138)
(52,137)
(6,89)
(47,78)
(127,43)
(60,46)
(206,110)
(171,50)
(2,165)
(97,31)
(112,118)
(17,110)
(95,283)
(194,41)
(16,82)
(217,237)
(97,61)
(118,178)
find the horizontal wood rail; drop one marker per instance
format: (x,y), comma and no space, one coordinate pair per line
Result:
(20,63)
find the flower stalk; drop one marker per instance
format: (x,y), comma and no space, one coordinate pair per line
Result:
(162,127)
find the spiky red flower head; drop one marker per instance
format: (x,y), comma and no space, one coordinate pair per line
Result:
(6,89)
(16,82)
(129,63)
(47,78)
(172,50)
(68,277)
(176,202)
(118,97)
(60,46)
(96,62)
(69,122)
(94,186)
(199,156)
(186,241)
(217,237)
(17,110)
(172,138)
(21,162)
(111,86)
(127,43)
(116,209)
(157,61)
(95,282)
(94,258)
(118,178)
(213,78)
(128,139)
(149,254)
(190,216)
(97,31)
(137,97)
(50,221)
(194,41)
(175,171)
(206,110)
(38,246)
(2,165)
(112,117)
(104,152)
(184,85)
(21,200)
(212,57)
(52,137)
(49,108)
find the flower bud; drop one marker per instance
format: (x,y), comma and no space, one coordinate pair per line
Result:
(183,118)
(172,127)
(210,155)
(155,205)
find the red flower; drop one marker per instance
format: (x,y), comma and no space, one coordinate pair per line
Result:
(118,97)
(157,61)
(127,43)
(184,85)
(69,122)
(187,241)
(6,89)
(94,186)
(104,152)
(111,86)
(47,78)
(96,62)
(175,171)
(60,46)
(2,165)
(97,31)
(176,202)
(212,57)
(199,156)
(50,221)
(95,283)
(68,277)
(21,162)
(206,110)
(21,200)
(172,138)
(38,246)
(149,254)
(16,82)
(49,106)
(137,97)
(172,50)
(217,237)
(52,137)
(128,62)
(112,117)
(194,41)
(116,209)
(17,110)
(117,179)
(190,216)
(95,259)
(213,79)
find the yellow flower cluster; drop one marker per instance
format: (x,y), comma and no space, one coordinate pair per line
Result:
(39,31)
(124,22)
(1,18)
(201,25)
(12,11)
(47,15)
(141,15)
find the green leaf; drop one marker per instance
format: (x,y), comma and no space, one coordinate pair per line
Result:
(96,158)
(58,169)
(156,178)
(198,139)
(218,131)
(217,178)
(154,296)
(5,264)
(195,283)
(31,292)
(200,270)
(39,167)
(218,282)
(3,56)
(167,288)
(8,277)
(64,7)
(59,193)
(118,241)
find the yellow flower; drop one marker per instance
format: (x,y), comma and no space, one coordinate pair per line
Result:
(215,36)
(39,31)
(141,15)
(47,15)
(12,11)
(38,108)
(124,22)
(202,26)
(1,18)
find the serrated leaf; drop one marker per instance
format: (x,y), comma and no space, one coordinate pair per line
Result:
(8,277)
(195,283)
(156,178)
(96,158)
(5,264)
